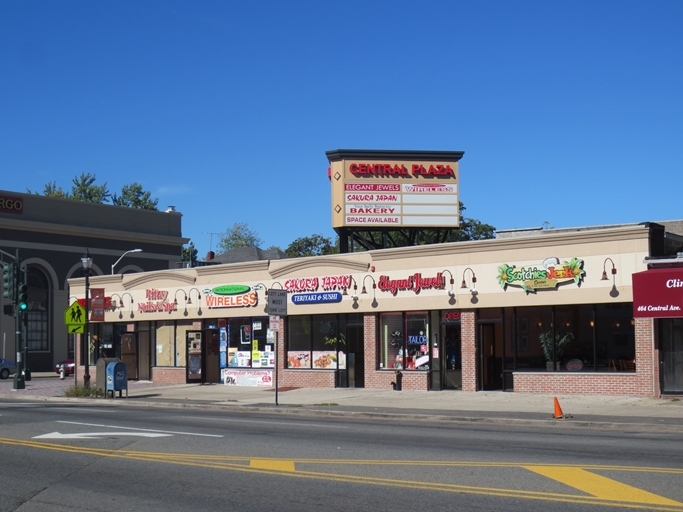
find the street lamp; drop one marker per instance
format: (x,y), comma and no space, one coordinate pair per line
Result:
(117,261)
(86,260)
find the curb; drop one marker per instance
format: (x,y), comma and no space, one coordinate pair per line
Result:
(365,412)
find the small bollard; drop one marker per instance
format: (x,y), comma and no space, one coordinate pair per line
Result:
(398,384)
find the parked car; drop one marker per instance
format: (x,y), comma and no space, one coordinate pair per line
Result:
(68,366)
(7,368)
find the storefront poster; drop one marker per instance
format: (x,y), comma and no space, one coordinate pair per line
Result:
(247,378)
(298,359)
(324,359)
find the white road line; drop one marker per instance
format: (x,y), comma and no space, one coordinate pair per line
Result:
(139,429)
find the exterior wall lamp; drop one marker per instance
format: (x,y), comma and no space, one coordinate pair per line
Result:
(374,286)
(463,285)
(451,292)
(188,300)
(354,295)
(273,287)
(604,271)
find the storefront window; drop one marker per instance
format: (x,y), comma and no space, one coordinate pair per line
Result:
(299,342)
(573,338)
(404,341)
(317,341)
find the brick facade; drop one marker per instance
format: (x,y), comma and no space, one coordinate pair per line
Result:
(644,382)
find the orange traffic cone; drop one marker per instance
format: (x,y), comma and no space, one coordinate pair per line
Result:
(558,411)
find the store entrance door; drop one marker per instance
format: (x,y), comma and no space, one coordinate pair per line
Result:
(451,360)
(129,354)
(355,359)
(671,355)
(490,366)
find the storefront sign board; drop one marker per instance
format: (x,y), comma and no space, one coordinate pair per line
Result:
(658,293)
(316,298)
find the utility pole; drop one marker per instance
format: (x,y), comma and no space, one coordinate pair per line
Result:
(10,285)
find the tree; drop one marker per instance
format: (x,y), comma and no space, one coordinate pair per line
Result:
(189,253)
(52,190)
(239,235)
(133,196)
(314,245)
(84,189)
(472,229)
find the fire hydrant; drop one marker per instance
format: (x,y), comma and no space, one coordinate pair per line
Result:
(62,372)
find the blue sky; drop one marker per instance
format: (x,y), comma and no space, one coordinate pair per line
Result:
(569,112)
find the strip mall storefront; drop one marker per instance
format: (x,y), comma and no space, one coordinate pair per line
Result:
(658,298)
(550,313)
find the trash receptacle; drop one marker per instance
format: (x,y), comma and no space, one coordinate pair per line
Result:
(117,379)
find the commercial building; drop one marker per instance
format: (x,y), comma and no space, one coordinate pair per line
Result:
(50,236)
(540,311)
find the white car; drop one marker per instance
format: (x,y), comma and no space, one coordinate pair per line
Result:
(7,368)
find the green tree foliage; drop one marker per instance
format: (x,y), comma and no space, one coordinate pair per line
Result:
(314,245)
(239,235)
(52,190)
(84,189)
(189,253)
(133,196)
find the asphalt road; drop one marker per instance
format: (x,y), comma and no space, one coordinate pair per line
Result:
(75,457)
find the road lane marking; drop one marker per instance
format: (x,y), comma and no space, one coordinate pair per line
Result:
(97,435)
(242,463)
(600,486)
(274,464)
(139,429)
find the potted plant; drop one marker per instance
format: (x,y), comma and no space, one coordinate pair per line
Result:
(546,340)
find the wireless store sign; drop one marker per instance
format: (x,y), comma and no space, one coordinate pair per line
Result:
(230,296)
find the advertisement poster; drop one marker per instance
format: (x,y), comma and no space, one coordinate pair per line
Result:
(298,359)
(247,378)
(223,343)
(232,357)
(324,359)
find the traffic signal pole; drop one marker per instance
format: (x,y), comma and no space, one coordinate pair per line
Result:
(22,313)
(10,284)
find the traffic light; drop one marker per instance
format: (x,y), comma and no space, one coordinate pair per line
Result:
(9,281)
(8,309)
(22,297)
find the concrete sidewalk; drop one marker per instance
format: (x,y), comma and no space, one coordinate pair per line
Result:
(592,411)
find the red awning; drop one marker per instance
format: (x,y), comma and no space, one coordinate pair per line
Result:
(658,293)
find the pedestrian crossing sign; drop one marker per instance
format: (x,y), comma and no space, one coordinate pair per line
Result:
(74,315)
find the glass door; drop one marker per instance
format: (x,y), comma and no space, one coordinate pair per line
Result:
(195,357)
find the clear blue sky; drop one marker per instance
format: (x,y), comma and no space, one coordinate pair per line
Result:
(569,112)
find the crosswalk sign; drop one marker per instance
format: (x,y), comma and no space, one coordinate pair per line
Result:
(74,315)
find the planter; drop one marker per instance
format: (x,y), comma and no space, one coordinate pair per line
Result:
(549,366)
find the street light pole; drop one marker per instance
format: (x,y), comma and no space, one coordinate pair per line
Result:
(117,261)
(86,260)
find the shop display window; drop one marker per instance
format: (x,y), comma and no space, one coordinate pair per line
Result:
(317,342)
(404,341)
(248,343)
(573,338)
